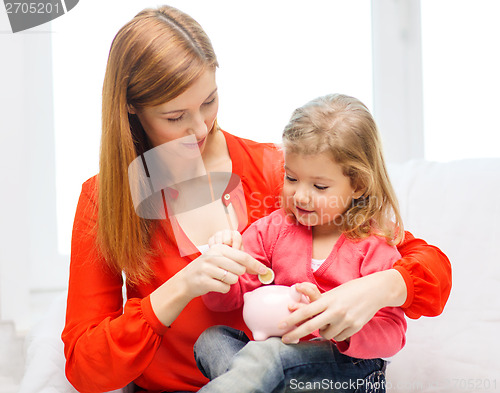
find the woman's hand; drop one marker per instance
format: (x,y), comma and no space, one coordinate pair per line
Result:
(217,269)
(214,271)
(343,311)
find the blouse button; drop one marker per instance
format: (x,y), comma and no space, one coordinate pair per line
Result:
(227,196)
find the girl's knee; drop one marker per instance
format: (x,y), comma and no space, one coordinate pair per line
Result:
(216,347)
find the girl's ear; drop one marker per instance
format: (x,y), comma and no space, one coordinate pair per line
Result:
(356,194)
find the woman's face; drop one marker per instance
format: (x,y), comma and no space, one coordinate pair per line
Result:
(189,116)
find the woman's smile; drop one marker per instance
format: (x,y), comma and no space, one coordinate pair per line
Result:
(196,145)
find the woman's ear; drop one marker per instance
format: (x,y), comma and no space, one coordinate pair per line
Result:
(131,109)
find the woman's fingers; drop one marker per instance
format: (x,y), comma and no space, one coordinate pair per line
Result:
(250,264)
(218,269)
(226,277)
(214,263)
(340,312)
(307,318)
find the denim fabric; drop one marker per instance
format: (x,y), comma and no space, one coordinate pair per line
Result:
(233,363)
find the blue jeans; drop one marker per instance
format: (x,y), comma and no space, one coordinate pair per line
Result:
(233,363)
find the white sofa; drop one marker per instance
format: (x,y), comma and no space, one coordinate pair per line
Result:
(452,205)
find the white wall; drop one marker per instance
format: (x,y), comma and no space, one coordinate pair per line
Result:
(397,78)
(29,260)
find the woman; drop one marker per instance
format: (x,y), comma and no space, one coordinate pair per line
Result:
(159,88)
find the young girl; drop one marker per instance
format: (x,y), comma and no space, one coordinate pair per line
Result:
(339,221)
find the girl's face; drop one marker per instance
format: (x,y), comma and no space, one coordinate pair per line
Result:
(187,118)
(315,190)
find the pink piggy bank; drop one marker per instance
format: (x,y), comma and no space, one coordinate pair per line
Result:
(265,307)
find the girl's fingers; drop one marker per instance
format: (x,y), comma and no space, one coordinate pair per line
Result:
(219,237)
(237,240)
(228,237)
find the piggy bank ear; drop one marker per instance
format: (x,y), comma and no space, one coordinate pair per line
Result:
(294,294)
(297,296)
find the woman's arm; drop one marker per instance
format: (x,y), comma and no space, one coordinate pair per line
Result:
(420,282)
(426,272)
(214,276)
(106,345)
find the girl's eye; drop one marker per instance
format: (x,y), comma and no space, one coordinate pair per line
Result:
(321,188)
(289,178)
(176,118)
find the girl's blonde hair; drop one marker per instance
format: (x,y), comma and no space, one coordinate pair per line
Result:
(343,127)
(154,58)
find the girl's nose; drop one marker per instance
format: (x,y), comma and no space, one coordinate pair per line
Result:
(301,197)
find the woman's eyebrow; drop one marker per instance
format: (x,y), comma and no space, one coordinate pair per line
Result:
(182,110)
(213,92)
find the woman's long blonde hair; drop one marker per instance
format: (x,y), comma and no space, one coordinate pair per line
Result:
(343,127)
(153,59)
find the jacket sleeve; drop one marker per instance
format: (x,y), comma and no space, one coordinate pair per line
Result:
(427,274)
(384,335)
(107,344)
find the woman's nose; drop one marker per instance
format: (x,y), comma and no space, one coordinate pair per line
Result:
(198,126)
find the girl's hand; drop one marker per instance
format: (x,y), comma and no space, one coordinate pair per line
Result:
(229,238)
(343,311)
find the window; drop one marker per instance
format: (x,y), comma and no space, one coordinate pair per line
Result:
(461,81)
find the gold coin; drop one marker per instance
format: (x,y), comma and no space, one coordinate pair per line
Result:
(267,277)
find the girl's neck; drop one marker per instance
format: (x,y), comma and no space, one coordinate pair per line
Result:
(324,239)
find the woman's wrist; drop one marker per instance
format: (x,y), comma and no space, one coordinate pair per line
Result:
(168,300)
(396,288)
